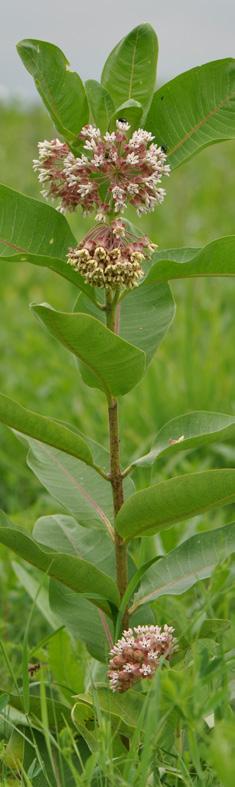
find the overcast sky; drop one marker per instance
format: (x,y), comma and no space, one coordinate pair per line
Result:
(190,32)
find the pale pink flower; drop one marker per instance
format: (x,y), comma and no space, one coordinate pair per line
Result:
(111,172)
(137,655)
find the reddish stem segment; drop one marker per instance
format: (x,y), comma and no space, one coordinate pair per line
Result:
(116,475)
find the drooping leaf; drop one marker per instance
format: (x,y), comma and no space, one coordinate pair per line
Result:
(215,259)
(116,365)
(44,429)
(194,110)
(58,712)
(163,504)
(60,88)
(69,671)
(126,707)
(31,231)
(61,606)
(131,111)
(77,487)
(144,315)
(187,432)
(82,619)
(63,533)
(77,574)
(100,104)
(190,562)
(38,592)
(130,70)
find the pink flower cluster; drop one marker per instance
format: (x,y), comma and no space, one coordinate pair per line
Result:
(137,655)
(113,170)
(110,256)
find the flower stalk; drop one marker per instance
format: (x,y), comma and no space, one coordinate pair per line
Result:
(115,469)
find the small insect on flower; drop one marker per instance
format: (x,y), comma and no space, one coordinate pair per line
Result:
(138,653)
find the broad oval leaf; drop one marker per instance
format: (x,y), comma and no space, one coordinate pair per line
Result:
(127,706)
(38,592)
(190,562)
(63,534)
(58,714)
(82,619)
(44,429)
(77,487)
(215,259)
(60,88)
(163,504)
(194,110)
(77,574)
(100,104)
(130,70)
(116,365)
(144,315)
(31,231)
(62,606)
(188,432)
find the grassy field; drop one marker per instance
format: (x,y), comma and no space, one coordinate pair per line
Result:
(194,369)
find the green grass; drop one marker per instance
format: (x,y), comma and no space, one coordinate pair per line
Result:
(194,369)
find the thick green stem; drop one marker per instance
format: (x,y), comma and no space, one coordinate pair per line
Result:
(115,473)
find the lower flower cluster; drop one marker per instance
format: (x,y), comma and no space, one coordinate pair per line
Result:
(110,256)
(137,655)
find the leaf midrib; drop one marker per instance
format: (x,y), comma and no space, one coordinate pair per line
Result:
(201,122)
(173,583)
(83,492)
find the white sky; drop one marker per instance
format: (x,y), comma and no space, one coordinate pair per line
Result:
(190,32)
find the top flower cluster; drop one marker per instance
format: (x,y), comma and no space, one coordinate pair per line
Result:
(113,170)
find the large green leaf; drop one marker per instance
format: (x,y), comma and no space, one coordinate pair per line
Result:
(194,110)
(187,432)
(77,487)
(126,707)
(163,504)
(31,231)
(60,88)
(144,315)
(77,574)
(58,713)
(116,365)
(64,534)
(61,606)
(37,588)
(215,259)
(100,104)
(193,560)
(82,619)
(130,70)
(44,429)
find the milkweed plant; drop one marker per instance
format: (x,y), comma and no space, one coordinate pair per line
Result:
(115,146)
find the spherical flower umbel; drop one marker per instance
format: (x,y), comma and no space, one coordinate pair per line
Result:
(110,256)
(137,655)
(113,171)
